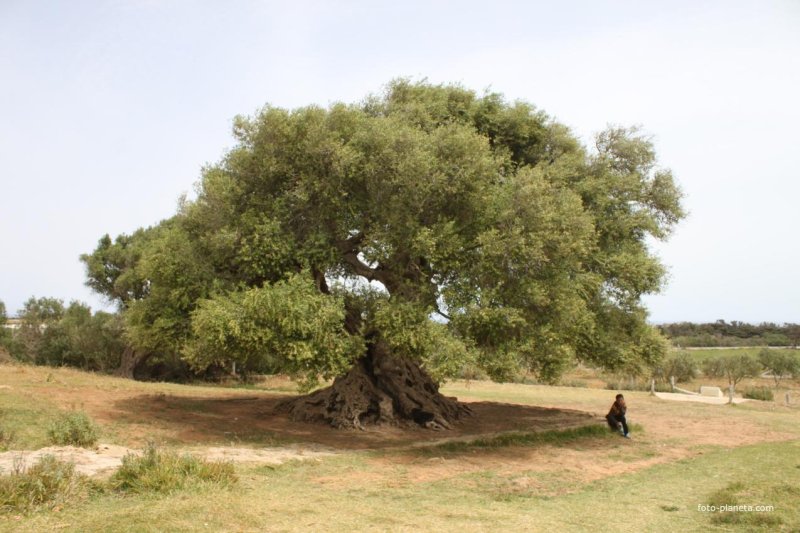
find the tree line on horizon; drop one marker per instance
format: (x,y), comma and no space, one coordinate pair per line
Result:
(729,334)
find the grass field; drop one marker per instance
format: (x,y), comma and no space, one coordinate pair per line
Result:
(701,354)
(547,463)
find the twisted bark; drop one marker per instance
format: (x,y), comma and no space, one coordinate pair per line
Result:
(130,360)
(380,389)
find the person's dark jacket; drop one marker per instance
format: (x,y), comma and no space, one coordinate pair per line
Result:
(617,411)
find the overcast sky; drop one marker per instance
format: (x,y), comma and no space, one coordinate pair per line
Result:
(109,109)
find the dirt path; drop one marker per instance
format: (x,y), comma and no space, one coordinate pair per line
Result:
(106,458)
(677,397)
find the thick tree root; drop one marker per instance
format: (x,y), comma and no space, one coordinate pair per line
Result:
(379,389)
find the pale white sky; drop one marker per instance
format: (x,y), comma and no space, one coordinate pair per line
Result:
(108,110)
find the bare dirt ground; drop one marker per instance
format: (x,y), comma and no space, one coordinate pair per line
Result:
(104,459)
(248,417)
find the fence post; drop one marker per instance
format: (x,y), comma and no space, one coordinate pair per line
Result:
(653,387)
(730,393)
(788,398)
(672,383)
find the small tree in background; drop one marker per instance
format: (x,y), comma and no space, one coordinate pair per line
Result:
(681,366)
(82,339)
(51,334)
(779,363)
(37,315)
(5,333)
(734,368)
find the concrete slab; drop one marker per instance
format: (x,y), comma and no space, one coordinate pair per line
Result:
(714,392)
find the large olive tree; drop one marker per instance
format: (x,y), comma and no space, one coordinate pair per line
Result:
(387,243)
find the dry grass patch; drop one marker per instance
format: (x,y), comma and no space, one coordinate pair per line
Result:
(157,471)
(48,484)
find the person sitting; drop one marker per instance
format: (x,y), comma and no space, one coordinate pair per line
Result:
(616,416)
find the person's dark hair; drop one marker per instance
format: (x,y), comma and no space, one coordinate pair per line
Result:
(620,396)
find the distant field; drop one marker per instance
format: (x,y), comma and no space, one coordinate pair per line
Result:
(701,354)
(682,456)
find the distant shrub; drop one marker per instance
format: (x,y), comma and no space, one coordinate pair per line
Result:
(735,368)
(779,363)
(759,393)
(714,368)
(574,383)
(46,484)
(634,384)
(73,428)
(472,373)
(6,436)
(163,472)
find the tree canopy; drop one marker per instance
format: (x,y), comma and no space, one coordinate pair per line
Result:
(429,226)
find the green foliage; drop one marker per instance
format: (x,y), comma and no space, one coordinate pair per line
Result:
(37,315)
(471,372)
(681,366)
(73,428)
(759,393)
(157,471)
(51,334)
(408,330)
(734,368)
(779,363)
(288,326)
(482,211)
(111,269)
(47,484)
(82,339)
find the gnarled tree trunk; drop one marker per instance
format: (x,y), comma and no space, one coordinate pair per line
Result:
(381,388)
(129,361)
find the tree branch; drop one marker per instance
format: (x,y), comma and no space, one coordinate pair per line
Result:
(359,267)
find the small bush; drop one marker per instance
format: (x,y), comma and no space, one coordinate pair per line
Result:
(759,393)
(6,437)
(163,472)
(472,373)
(73,428)
(46,484)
